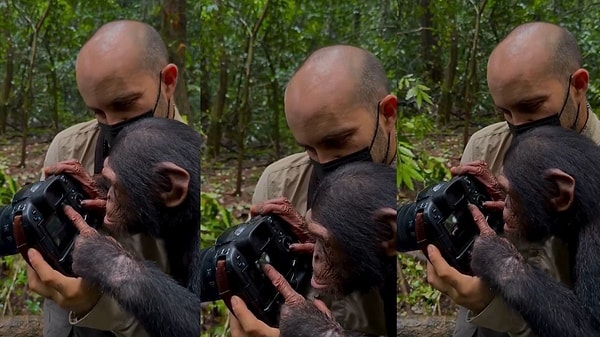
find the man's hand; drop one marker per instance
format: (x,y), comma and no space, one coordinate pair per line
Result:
(246,324)
(70,293)
(468,291)
(284,209)
(480,171)
(72,167)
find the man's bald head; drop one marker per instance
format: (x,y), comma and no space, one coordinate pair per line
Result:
(338,103)
(333,67)
(536,72)
(548,43)
(129,36)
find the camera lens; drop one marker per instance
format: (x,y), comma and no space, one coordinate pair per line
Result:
(208,278)
(7,240)
(405,220)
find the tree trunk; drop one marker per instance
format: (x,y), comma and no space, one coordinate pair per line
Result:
(28,95)
(244,112)
(6,87)
(471,85)
(174,30)
(445,106)
(53,80)
(275,104)
(429,48)
(215,122)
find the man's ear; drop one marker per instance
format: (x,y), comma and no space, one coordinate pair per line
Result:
(563,192)
(174,186)
(388,107)
(580,80)
(169,78)
(388,216)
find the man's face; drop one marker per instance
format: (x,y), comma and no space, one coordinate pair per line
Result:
(115,88)
(329,125)
(528,93)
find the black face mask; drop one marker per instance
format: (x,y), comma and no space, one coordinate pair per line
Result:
(111,131)
(553,120)
(521,128)
(323,170)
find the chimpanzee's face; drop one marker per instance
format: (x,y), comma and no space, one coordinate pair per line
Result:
(328,276)
(114,218)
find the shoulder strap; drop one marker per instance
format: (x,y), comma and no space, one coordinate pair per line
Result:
(100,154)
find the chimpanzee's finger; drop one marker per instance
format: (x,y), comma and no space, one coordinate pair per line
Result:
(484,228)
(323,308)
(94,204)
(494,205)
(71,166)
(265,207)
(77,220)
(282,285)
(302,248)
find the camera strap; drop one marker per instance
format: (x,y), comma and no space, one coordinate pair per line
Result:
(20,239)
(422,241)
(221,277)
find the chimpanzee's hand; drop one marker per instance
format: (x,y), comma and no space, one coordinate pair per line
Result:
(480,171)
(109,271)
(72,167)
(284,209)
(494,258)
(300,317)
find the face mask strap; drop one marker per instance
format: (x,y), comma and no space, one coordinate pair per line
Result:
(566,97)
(158,96)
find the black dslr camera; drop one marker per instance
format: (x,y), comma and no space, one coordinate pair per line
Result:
(44,225)
(233,266)
(447,222)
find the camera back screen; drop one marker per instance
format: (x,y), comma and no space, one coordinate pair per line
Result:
(59,232)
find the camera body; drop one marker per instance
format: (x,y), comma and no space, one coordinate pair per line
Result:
(447,221)
(43,225)
(233,266)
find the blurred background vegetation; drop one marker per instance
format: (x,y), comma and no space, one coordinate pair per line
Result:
(39,42)
(435,53)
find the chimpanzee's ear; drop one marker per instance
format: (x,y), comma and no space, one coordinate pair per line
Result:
(174,186)
(388,216)
(564,189)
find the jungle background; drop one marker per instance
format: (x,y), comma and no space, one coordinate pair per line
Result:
(435,53)
(235,57)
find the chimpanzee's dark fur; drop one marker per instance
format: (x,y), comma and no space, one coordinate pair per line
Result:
(163,304)
(550,308)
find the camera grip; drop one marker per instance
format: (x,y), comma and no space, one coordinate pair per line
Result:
(420,235)
(20,238)
(221,277)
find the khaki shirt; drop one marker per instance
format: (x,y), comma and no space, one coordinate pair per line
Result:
(289,177)
(79,142)
(490,144)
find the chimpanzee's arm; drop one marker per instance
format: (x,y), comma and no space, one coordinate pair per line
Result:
(550,308)
(161,305)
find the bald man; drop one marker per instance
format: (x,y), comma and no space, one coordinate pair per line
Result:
(339,109)
(123,75)
(535,78)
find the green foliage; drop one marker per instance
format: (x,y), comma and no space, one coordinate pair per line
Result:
(415,91)
(420,296)
(214,218)
(408,169)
